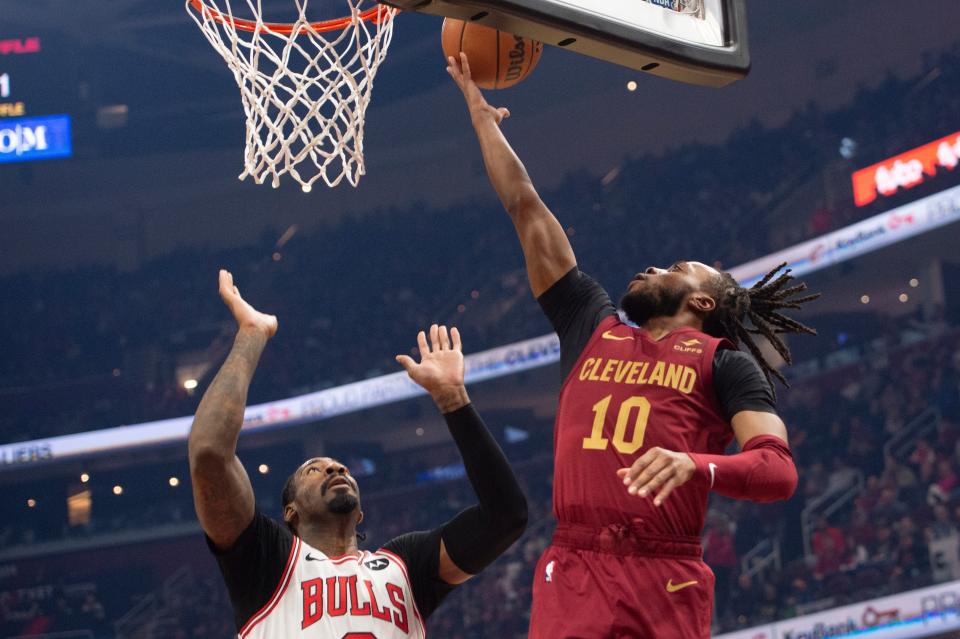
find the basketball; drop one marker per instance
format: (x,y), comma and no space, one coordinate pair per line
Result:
(498,59)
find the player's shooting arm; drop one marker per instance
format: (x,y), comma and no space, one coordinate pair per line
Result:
(546,248)
(479,534)
(222,494)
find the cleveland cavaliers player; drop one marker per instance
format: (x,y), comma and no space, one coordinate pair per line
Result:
(646,411)
(307,578)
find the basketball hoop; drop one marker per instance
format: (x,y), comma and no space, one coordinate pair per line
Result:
(305,86)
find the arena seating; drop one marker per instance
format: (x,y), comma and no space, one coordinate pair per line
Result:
(122,335)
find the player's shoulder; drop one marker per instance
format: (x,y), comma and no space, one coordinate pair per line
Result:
(735,360)
(417,551)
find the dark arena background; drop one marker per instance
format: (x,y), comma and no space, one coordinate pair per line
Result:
(838,154)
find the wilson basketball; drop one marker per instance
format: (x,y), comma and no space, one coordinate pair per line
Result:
(498,59)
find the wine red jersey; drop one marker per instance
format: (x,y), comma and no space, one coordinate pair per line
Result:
(626,394)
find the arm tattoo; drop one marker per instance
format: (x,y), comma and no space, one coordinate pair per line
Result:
(220,414)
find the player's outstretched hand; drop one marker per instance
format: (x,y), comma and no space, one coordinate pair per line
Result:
(459,70)
(247,317)
(657,472)
(440,370)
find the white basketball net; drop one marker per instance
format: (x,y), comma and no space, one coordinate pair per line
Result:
(304,91)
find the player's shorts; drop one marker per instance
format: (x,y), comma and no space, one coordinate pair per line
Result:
(612,583)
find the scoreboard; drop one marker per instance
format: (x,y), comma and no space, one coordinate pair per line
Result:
(32,123)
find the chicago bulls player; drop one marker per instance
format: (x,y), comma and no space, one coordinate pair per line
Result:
(307,578)
(645,414)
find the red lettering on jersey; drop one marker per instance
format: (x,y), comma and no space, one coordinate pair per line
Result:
(378,613)
(400,610)
(340,608)
(312,602)
(355,609)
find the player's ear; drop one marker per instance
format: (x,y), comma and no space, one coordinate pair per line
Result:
(290,514)
(702,303)
(360,519)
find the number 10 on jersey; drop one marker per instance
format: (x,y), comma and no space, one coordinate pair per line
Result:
(633,415)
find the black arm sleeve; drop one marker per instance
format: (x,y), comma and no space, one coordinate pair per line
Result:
(253,566)
(740,384)
(481,533)
(421,552)
(575,305)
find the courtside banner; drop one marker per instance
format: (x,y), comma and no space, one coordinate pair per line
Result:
(43,138)
(858,239)
(928,612)
(906,170)
(504,360)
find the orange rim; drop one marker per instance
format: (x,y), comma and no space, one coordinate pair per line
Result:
(376,15)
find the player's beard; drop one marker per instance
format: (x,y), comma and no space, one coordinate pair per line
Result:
(343,503)
(646,302)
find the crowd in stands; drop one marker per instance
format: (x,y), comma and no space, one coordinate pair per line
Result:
(97,347)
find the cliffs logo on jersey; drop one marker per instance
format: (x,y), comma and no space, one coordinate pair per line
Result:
(692,345)
(339,596)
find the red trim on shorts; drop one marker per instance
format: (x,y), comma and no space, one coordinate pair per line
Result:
(403,569)
(264,612)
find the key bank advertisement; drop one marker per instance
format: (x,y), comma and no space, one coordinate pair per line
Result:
(928,612)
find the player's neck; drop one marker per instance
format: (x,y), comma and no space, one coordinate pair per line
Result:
(659,327)
(331,540)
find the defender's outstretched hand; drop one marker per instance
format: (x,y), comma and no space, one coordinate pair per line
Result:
(246,316)
(459,70)
(440,370)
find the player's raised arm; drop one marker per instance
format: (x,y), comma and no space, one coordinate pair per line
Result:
(478,535)
(222,493)
(546,248)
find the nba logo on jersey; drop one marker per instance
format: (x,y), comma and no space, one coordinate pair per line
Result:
(549,572)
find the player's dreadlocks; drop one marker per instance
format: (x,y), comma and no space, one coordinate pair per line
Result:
(762,304)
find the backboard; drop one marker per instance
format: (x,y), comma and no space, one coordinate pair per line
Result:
(695,41)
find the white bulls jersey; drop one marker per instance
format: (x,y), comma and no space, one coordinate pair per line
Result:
(365,597)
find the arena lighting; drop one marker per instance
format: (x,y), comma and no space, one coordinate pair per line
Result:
(190,384)
(903,297)
(84,477)
(31,503)
(420,431)
(914,282)
(264,469)
(864,299)
(174,482)
(632,85)
(277,257)
(118,490)
(848,148)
